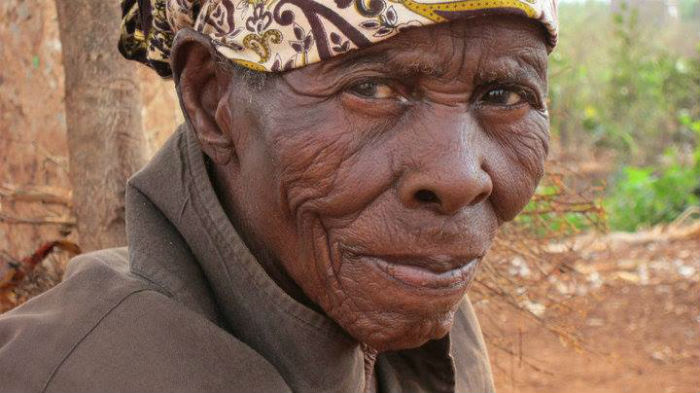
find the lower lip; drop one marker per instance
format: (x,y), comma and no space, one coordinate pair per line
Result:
(419,278)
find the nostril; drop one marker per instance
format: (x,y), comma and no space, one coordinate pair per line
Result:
(426,196)
(479,198)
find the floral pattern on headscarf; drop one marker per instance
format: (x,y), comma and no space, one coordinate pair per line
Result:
(280,35)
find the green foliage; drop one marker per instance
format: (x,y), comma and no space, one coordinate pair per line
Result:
(644,196)
(630,85)
(647,89)
(694,126)
(557,211)
(689,9)
(623,93)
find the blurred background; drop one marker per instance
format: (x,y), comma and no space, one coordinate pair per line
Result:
(595,287)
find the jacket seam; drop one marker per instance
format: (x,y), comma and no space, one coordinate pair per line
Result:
(160,287)
(80,341)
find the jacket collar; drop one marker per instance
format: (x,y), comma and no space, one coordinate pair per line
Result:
(195,254)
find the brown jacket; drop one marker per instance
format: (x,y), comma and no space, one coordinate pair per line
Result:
(187,308)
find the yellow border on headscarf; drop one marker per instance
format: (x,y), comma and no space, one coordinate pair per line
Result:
(429,10)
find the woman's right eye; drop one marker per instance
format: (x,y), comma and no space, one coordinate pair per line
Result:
(374,90)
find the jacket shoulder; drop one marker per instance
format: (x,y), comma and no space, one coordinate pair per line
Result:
(37,336)
(152,343)
(104,329)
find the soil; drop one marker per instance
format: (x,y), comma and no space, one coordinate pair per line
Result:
(639,329)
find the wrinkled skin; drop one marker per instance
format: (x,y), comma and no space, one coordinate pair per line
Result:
(370,185)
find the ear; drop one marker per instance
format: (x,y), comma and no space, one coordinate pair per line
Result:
(203,90)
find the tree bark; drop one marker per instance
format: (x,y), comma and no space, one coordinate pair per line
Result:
(103,116)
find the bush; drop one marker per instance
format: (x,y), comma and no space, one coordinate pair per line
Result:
(630,86)
(646,197)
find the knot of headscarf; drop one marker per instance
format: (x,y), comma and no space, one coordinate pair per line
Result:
(279,35)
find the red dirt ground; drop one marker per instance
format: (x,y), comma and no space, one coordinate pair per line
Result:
(641,335)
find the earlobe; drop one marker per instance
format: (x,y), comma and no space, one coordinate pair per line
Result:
(203,92)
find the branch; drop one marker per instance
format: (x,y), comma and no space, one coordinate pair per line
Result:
(59,161)
(36,194)
(49,220)
(520,357)
(13,271)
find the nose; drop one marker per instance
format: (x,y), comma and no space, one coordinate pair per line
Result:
(446,181)
(443,189)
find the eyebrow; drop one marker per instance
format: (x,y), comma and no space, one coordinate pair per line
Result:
(496,74)
(521,67)
(356,61)
(385,63)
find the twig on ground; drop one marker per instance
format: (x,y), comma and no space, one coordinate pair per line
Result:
(49,220)
(27,193)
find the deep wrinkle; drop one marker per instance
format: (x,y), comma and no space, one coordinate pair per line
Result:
(416,77)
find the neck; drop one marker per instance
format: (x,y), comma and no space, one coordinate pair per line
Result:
(269,263)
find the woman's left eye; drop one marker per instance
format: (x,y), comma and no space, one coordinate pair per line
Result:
(502,96)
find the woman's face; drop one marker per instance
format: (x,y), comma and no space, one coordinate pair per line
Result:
(377,180)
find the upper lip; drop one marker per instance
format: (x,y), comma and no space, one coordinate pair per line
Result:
(435,263)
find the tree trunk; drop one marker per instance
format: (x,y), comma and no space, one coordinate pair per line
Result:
(106,143)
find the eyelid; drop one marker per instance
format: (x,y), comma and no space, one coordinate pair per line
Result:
(395,85)
(352,78)
(373,106)
(528,94)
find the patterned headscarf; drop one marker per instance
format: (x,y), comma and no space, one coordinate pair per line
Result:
(279,35)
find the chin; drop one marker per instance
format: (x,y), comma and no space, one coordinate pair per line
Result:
(397,335)
(386,304)
(385,297)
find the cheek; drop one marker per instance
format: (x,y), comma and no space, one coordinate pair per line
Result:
(329,166)
(517,153)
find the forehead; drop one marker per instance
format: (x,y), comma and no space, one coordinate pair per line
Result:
(440,49)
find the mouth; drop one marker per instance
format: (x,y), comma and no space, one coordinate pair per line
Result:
(440,272)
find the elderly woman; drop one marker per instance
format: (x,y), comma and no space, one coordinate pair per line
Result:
(316,223)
